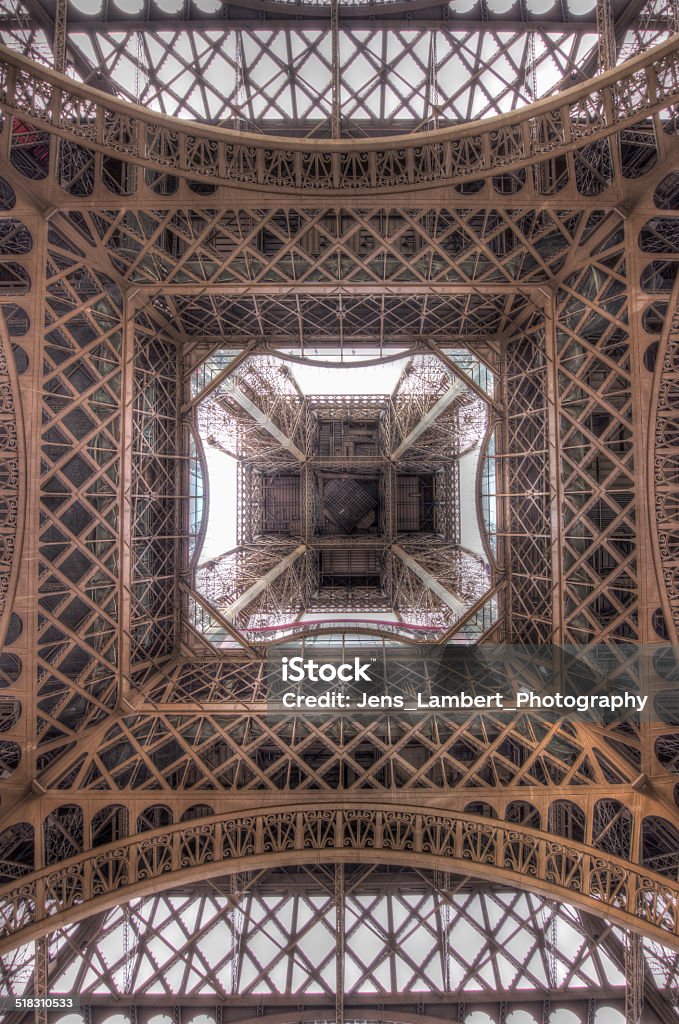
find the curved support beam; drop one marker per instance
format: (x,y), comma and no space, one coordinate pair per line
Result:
(571,872)
(663,454)
(575,119)
(12,481)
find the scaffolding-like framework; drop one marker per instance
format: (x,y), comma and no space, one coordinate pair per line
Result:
(155,276)
(331,489)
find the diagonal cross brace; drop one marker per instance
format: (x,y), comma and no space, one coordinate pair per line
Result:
(456,389)
(237,606)
(233,391)
(453,602)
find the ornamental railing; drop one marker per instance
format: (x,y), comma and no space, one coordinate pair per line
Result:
(504,853)
(42,101)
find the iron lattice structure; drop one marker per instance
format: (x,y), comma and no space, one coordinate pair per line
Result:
(168,837)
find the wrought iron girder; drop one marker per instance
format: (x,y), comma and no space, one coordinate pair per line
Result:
(578,127)
(595,386)
(413,919)
(132,868)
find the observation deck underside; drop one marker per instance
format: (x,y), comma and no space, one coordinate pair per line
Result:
(170,838)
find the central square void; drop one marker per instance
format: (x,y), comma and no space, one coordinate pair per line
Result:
(340,493)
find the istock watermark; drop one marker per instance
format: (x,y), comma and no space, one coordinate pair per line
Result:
(297,670)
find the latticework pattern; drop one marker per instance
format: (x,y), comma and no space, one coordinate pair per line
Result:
(173,836)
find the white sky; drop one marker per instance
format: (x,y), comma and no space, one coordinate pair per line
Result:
(220,535)
(470,537)
(362,380)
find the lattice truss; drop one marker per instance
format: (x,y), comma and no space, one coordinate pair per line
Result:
(526,471)
(119,308)
(191,247)
(411,938)
(445,66)
(223,749)
(153,499)
(593,354)
(258,414)
(80,510)
(273,934)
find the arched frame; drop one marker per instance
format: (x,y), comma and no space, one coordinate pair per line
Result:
(377,833)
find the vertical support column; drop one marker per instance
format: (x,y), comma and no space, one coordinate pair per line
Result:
(306,497)
(128,958)
(126,499)
(59,46)
(554,468)
(634,978)
(238,893)
(433,82)
(41,977)
(530,71)
(335,60)
(606,35)
(181,484)
(339,943)
(442,885)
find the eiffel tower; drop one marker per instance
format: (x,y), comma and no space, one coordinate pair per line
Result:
(347,331)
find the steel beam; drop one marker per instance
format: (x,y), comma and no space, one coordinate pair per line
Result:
(454,603)
(340,288)
(82,65)
(456,389)
(339,943)
(260,417)
(603,935)
(257,588)
(336,84)
(60,23)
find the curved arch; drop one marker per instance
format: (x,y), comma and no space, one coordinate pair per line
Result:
(612,824)
(500,147)
(196,444)
(153,817)
(12,481)
(109,824)
(663,464)
(480,809)
(484,497)
(63,831)
(522,812)
(17,851)
(404,352)
(196,812)
(572,872)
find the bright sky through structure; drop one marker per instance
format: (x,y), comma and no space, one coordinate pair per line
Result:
(342,380)
(220,535)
